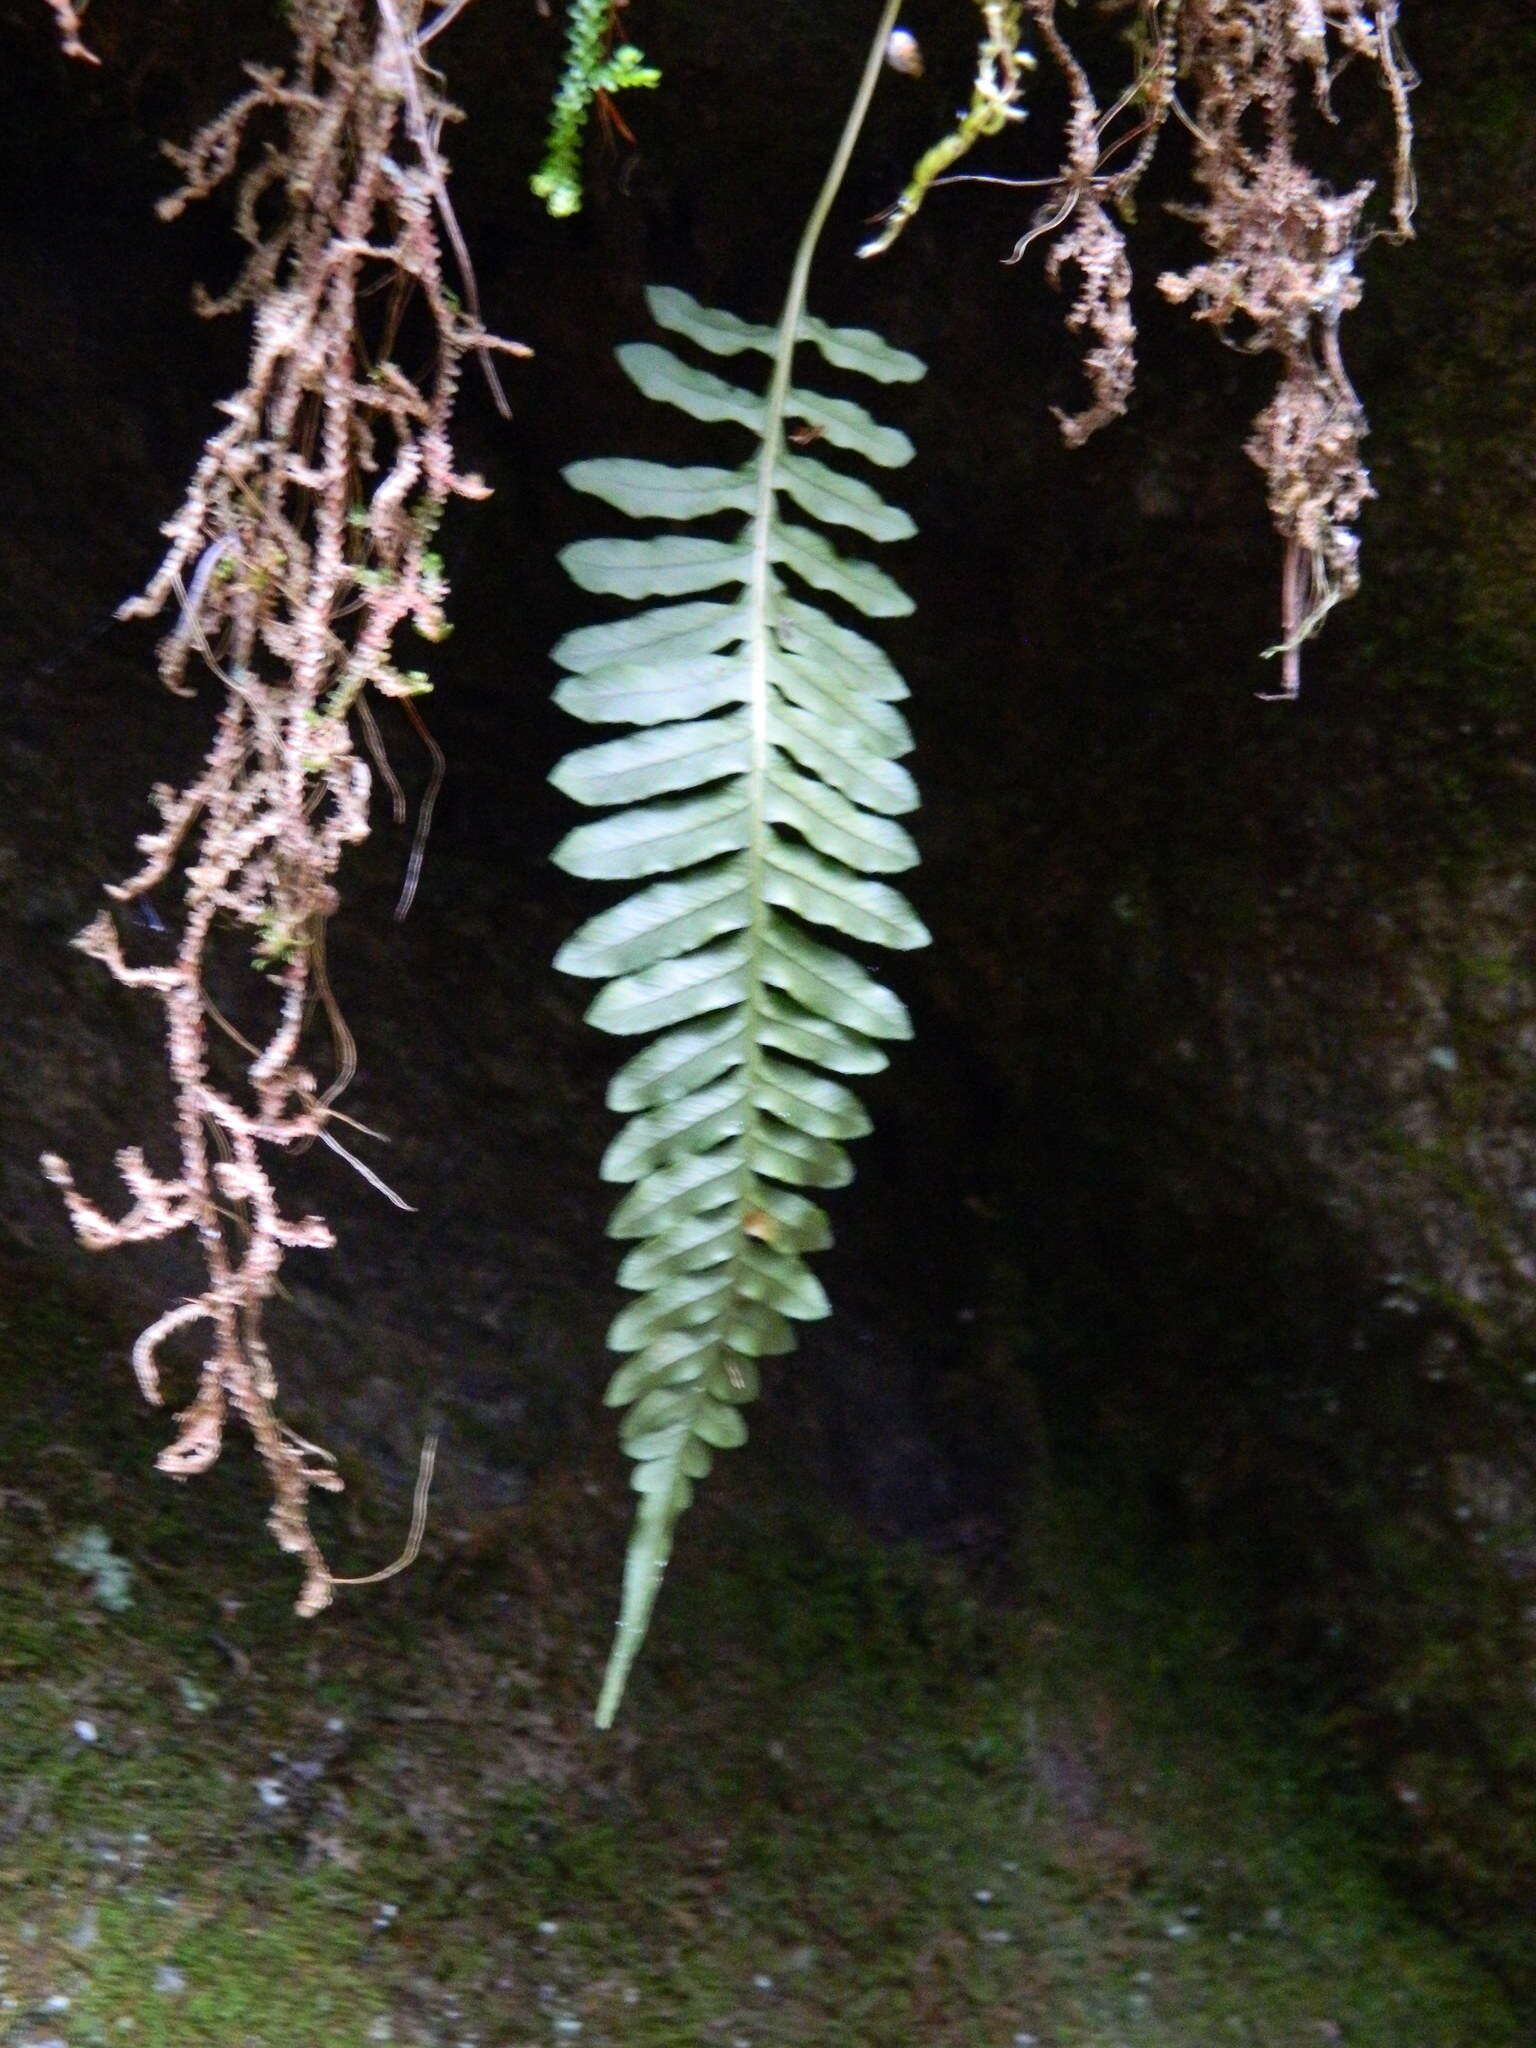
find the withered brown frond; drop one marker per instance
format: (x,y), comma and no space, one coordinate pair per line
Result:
(303,547)
(1280,273)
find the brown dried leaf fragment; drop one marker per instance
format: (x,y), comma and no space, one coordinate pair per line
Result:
(68,19)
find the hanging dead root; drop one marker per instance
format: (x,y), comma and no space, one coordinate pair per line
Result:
(303,546)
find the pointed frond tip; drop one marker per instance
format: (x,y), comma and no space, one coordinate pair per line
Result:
(752,795)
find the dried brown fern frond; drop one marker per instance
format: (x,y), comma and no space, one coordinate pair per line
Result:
(67,18)
(1282,244)
(302,549)
(1280,272)
(1281,269)
(1107,153)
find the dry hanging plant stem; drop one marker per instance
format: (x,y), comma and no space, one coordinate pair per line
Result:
(303,547)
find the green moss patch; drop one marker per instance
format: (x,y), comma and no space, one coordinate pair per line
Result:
(852,1801)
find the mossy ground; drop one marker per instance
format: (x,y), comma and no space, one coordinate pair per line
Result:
(854,1799)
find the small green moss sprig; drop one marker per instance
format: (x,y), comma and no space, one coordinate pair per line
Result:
(593,68)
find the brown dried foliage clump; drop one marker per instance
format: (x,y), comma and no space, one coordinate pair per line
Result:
(302,549)
(1282,245)
(1107,153)
(1281,270)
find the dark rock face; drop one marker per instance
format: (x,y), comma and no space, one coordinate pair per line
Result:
(1216,1158)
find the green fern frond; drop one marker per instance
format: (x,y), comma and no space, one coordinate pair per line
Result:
(591,67)
(755,798)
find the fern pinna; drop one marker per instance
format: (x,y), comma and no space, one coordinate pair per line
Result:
(756,797)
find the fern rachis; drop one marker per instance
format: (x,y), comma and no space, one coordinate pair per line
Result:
(756,794)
